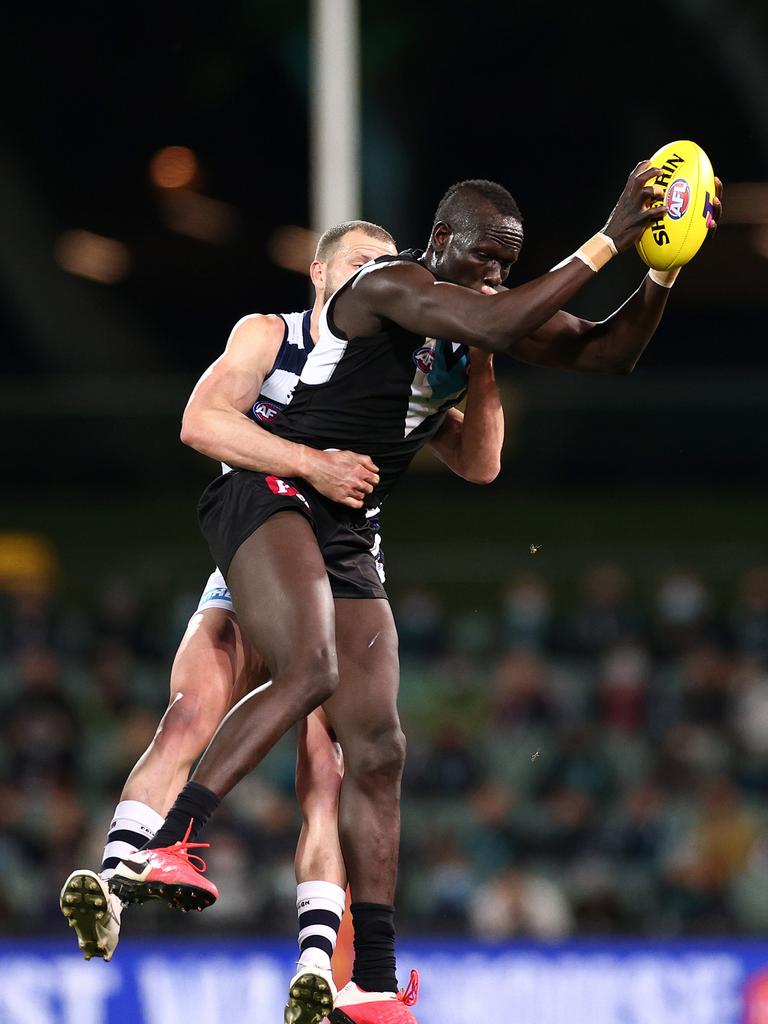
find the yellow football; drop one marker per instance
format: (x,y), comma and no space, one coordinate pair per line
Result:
(688,182)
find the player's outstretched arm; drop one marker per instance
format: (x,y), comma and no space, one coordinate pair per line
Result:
(215,421)
(613,345)
(470,443)
(409,295)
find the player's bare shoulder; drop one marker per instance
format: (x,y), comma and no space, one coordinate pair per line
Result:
(257,331)
(397,273)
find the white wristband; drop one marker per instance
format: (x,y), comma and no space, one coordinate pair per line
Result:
(596,251)
(664,278)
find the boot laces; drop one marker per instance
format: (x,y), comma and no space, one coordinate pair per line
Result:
(182,847)
(410,993)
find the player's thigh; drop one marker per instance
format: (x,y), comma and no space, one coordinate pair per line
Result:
(365,703)
(282,597)
(208,662)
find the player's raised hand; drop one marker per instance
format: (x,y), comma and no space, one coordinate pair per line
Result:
(345,477)
(633,212)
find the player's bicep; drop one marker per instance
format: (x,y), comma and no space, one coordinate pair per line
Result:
(557,344)
(234,380)
(410,296)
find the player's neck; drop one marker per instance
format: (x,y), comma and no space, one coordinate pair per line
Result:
(429,260)
(314,320)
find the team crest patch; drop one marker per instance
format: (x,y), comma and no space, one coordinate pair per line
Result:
(278,486)
(265,411)
(424,358)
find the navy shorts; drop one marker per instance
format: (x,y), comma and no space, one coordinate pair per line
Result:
(237,503)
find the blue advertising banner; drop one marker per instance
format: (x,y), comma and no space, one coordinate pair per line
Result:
(193,982)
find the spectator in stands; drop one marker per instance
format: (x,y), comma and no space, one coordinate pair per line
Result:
(520,903)
(606,613)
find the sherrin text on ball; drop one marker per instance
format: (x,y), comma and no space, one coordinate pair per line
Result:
(688,189)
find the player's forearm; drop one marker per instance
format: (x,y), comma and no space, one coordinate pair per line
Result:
(228,436)
(482,434)
(470,445)
(616,344)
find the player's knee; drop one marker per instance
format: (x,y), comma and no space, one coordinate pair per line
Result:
(324,683)
(381,758)
(313,680)
(318,778)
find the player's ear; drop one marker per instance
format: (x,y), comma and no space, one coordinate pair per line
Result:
(317,274)
(441,233)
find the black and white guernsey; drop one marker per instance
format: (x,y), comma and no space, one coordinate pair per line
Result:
(278,386)
(384,396)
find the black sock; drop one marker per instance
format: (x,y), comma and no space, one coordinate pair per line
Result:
(375,969)
(195,803)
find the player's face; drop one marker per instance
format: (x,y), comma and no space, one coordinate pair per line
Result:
(482,256)
(356,249)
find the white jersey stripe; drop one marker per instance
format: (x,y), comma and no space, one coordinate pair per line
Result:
(329,349)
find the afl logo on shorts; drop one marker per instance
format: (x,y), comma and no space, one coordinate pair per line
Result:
(424,358)
(264,411)
(278,486)
(678,198)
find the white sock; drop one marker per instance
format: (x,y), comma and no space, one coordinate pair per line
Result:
(320,906)
(133,825)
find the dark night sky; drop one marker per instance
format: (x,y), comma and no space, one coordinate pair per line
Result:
(557,102)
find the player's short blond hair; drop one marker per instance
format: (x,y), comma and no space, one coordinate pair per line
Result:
(331,239)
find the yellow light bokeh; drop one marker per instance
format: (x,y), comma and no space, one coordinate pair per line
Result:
(173,167)
(87,254)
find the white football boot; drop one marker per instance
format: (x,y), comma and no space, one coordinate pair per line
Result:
(311,993)
(93,911)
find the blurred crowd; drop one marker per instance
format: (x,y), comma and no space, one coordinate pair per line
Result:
(596,764)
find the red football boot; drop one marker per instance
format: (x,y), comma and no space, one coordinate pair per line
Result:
(353,1006)
(165,874)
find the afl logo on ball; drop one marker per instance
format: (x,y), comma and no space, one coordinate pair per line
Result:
(265,411)
(678,198)
(424,358)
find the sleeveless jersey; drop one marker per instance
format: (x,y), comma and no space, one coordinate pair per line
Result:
(383,396)
(277,387)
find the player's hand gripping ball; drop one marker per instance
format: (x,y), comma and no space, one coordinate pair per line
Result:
(686,185)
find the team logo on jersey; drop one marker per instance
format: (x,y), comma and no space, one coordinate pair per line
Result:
(278,486)
(264,411)
(678,198)
(424,358)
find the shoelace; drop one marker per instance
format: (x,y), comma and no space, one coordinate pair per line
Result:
(181,849)
(410,993)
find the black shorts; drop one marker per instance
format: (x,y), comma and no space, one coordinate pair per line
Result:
(237,503)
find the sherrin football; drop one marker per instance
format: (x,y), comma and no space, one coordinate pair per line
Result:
(688,182)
